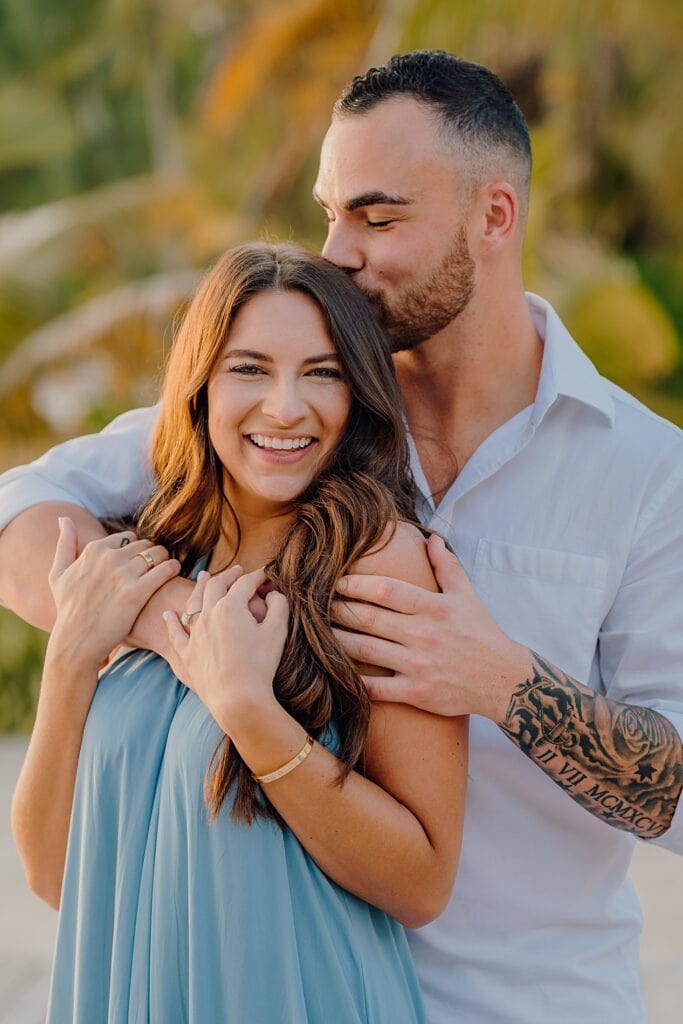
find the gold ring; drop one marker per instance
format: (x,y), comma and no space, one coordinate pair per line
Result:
(149,561)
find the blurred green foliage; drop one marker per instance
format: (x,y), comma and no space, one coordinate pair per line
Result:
(22,650)
(138,140)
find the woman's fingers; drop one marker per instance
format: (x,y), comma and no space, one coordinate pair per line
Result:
(176,634)
(66,551)
(156,577)
(216,587)
(195,602)
(145,556)
(196,599)
(244,589)
(277,615)
(118,540)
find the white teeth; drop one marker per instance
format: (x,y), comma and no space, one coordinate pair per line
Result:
(280,443)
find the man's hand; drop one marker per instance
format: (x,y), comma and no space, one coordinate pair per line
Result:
(444,652)
(622,763)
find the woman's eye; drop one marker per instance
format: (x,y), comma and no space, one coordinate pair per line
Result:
(326,372)
(247,369)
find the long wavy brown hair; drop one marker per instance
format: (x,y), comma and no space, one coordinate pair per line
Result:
(350,508)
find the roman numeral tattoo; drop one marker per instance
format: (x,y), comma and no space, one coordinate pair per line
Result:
(622,762)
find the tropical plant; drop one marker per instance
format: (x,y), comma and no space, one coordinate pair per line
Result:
(139,140)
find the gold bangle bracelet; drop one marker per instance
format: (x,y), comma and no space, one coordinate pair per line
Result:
(290,766)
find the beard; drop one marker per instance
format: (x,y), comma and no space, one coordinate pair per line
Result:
(425,307)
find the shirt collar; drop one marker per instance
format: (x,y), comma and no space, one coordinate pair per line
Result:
(565,369)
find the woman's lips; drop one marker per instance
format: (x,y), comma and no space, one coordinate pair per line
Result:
(281,455)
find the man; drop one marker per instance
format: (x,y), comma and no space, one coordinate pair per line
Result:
(563,498)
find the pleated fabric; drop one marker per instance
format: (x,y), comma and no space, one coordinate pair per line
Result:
(166,918)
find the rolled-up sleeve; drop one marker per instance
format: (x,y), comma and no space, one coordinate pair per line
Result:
(641,643)
(108,473)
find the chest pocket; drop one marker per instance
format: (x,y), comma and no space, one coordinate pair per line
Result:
(551,601)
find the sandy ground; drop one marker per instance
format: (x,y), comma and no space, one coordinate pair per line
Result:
(27,926)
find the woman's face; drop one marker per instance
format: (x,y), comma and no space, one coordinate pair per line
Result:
(278,401)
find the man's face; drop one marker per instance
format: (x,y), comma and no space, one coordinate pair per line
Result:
(396,217)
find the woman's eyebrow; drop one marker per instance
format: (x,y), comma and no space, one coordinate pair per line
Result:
(321,359)
(247,353)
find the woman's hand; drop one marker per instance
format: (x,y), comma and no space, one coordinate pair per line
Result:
(225,655)
(100,592)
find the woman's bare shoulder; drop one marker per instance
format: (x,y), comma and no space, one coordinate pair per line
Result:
(402,557)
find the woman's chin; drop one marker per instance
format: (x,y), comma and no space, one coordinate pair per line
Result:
(273,499)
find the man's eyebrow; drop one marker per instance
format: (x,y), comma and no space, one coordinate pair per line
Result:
(248,353)
(370,199)
(376,199)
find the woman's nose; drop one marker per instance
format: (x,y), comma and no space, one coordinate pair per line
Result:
(284,403)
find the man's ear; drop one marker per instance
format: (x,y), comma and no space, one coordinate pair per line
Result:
(500,211)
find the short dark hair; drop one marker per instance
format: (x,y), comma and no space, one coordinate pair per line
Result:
(474,105)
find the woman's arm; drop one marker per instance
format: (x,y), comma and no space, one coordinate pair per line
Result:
(393,837)
(98,595)
(41,806)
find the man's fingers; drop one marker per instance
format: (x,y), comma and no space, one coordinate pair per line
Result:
(369,618)
(392,689)
(397,595)
(66,551)
(371,651)
(448,571)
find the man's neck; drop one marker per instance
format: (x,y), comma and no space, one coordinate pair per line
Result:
(470,379)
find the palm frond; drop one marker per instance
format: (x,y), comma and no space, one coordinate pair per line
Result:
(77,330)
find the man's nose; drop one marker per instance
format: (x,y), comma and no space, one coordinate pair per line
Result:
(341,247)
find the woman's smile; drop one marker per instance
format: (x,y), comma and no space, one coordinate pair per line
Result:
(282,449)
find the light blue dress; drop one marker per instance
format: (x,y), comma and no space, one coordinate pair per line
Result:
(168,919)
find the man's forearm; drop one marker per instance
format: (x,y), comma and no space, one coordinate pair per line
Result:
(149,631)
(622,762)
(27,547)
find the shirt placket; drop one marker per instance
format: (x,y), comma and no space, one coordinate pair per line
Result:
(498,449)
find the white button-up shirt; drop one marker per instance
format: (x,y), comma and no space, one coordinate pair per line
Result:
(569,521)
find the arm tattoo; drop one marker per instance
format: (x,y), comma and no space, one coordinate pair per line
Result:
(622,762)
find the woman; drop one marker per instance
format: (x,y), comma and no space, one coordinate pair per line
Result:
(241,842)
